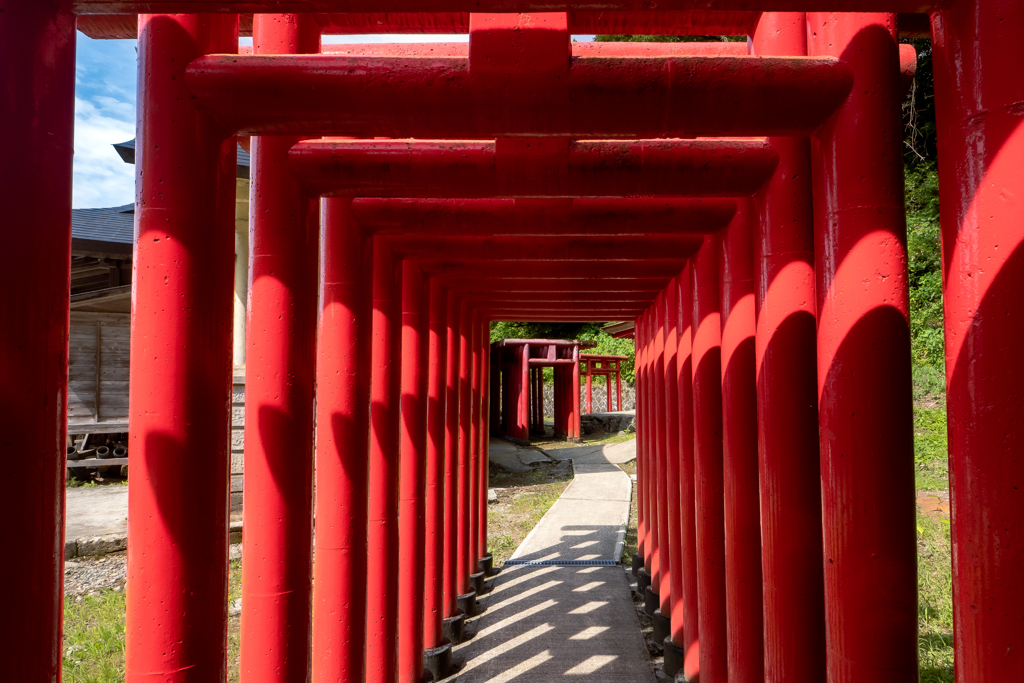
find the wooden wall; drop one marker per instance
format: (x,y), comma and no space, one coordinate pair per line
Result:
(98,372)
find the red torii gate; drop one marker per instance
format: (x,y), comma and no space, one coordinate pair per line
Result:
(814,415)
(605,366)
(517,385)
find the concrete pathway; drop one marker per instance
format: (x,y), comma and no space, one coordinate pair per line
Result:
(550,621)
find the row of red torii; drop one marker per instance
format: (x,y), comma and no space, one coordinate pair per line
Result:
(517,385)
(548,182)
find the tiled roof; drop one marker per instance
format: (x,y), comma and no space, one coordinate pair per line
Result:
(126,150)
(109,230)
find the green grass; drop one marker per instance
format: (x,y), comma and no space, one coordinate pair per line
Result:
(931,462)
(94,634)
(934,554)
(935,600)
(526,498)
(94,638)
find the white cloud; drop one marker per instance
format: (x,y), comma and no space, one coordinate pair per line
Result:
(101,178)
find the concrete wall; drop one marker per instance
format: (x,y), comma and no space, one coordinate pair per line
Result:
(598,394)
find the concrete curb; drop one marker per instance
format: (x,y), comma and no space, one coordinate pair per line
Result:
(620,535)
(88,546)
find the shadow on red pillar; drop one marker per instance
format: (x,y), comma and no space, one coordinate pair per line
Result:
(434,607)
(342,448)
(643,445)
(37,69)
(659,499)
(672,586)
(744,606)
(475,450)
(412,479)
(180,369)
(280,376)
(383,557)
(979,87)
(864,385)
(709,495)
(484,439)
(687,488)
(787,399)
(466,337)
(452,579)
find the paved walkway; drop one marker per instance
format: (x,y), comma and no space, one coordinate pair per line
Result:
(549,622)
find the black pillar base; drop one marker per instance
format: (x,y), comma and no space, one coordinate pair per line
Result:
(467,603)
(652,601)
(438,660)
(638,563)
(486,564)
(643,580)
(454,627)
(662,626)
(477,582)
(675,657)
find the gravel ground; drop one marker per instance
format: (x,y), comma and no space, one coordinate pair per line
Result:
(90,575)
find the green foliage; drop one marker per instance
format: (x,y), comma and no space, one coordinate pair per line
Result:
(925,264)
(606,344)
(919,108)
(929,384)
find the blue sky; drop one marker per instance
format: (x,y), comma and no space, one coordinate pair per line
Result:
(105,113)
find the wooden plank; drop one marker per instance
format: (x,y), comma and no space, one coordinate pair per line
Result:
(97,462)
(99,364)
(90,427)
(111,403)
(82,336)
(115,373)
(82,411)
(115,346)
(115,332)
(81,386)
(91,317)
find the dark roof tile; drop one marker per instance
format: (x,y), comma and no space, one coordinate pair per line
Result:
(126,150)
(112,224)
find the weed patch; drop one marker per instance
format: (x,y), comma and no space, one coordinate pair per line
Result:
(524,500)
(935,599)
(931,461)
(94,634)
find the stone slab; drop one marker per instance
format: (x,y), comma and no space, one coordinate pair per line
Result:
(96,511)
(96,520)
(515,458)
